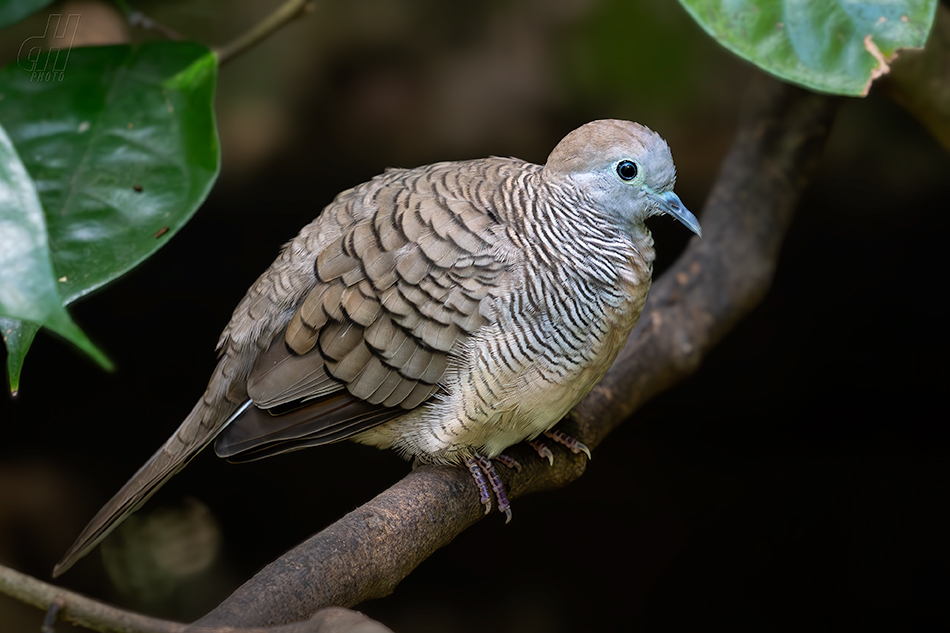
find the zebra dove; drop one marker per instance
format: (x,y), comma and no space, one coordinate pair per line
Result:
(447,312)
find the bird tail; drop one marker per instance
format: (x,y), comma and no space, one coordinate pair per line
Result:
(197,431)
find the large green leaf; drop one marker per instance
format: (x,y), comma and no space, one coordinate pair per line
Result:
(122,147)
(12,11)
(836,46)
(27,283)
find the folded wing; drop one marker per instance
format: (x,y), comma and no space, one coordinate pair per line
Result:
(398,292)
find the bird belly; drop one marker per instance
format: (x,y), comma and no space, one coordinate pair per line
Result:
(499,393)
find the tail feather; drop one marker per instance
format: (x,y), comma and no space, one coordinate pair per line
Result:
(196,432)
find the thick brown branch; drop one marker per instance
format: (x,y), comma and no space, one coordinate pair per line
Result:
(712,286)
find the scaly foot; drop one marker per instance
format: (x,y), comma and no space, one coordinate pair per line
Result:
(483,472)
(486,477)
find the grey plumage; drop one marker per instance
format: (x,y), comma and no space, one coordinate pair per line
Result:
(447,311)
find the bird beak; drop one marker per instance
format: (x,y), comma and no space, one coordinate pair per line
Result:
(670,204)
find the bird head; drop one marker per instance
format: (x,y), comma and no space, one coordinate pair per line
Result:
(626,168)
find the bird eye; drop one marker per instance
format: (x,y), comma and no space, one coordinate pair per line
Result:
(627,170)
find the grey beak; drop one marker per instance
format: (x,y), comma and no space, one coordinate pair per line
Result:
(671,204)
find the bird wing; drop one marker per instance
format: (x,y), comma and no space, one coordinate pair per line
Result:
(398,292)
(409,258)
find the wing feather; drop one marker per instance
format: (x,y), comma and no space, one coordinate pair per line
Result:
(399,287)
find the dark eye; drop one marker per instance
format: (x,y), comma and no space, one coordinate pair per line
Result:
(627,170)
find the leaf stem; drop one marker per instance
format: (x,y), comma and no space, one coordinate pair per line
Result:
(285,13)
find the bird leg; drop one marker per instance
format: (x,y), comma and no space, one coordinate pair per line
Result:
(483,495)
(483,472)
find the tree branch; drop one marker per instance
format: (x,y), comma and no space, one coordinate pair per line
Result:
(78,608)
(716,282)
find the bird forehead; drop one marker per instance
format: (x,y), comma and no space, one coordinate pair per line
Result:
(598,143)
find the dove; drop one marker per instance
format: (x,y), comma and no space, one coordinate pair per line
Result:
(446,312)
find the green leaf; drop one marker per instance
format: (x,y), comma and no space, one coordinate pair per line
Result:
(836,46)
(27,282)
(122,147)
(17,336)
(123,150)
(12,11)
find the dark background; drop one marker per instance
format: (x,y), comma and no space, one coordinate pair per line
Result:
(797,482)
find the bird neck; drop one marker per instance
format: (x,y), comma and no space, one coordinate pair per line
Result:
(565,231)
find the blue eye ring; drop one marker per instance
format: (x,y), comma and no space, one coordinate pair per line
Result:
(627,170)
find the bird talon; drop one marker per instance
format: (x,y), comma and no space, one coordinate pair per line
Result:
(582,448)
(573,444)
(542,450)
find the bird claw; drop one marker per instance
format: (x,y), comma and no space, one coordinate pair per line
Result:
(575,445)
(581,447)
(542,450)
